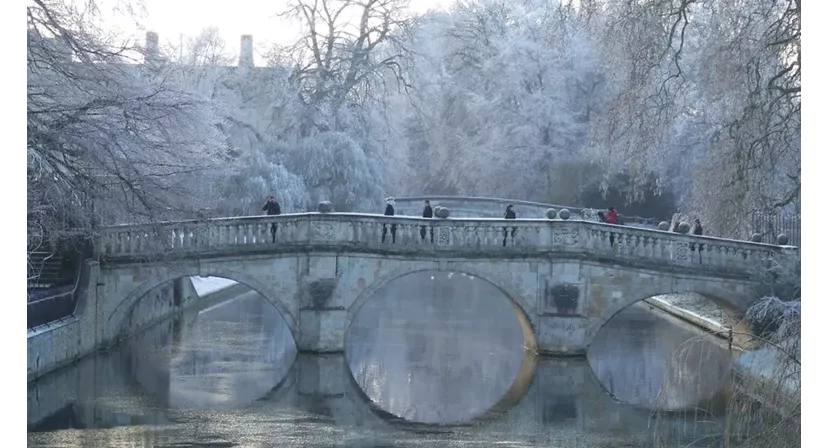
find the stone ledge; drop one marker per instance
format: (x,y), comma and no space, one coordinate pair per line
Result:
(516,253)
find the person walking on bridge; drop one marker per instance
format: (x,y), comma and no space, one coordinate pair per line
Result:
(612,216)
(698,231)
(510,214)
(272,208)
(428,212)
(389,211)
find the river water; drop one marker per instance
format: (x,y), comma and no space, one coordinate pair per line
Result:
(432,360)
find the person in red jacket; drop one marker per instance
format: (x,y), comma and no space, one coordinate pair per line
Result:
(612,216)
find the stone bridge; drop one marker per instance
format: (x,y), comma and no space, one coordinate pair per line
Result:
(566,278)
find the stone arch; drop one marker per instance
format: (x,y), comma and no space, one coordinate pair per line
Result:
(716,291)
(522,308)
(115,320)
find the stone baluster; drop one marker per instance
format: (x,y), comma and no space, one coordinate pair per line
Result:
(660,247)
(248,233)
(176,239)
(608,240)
(195,236)
(221,235)
(407,236)
(357,227)
(236,234)
(708,254)
(186,241)
(210,234)
(262,232)
(231,234)
(643,247)
(375,230)
(133,246)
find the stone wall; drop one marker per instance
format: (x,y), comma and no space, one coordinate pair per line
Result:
(64,342)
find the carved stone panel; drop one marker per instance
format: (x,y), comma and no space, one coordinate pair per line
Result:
(681,252)
(323,231)
(443,236)
(564,236)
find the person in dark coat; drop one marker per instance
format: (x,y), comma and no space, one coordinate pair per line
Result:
(510,214)
(272,208)
(697,230)
(428,212)
(697,227)
(389,211)
(602,217)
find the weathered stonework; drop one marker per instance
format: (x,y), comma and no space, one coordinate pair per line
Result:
(566,278)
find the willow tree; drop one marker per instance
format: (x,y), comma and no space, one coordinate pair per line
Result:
(707,93)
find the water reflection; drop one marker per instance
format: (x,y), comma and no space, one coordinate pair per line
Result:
(645,358)
(229,355)
(436,347)
(218,358)
(229,376)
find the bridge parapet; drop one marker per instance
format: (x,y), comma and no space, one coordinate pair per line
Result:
(479,237)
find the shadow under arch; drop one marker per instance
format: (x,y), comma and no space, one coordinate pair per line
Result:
(690,364)
(520,308)
(152,361)
(116,320)
(517,389)
(709,293)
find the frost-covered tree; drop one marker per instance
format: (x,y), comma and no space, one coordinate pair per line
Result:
(336,168)
(207,48)
(345,49)
(108,140)
(503,94)
(725,74)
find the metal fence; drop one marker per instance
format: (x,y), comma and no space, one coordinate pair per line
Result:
(771,225)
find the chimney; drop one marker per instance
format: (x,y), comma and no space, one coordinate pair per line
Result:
(151,46)
(246,55)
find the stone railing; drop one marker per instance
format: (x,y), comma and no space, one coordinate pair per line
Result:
(480,207)
(461,237)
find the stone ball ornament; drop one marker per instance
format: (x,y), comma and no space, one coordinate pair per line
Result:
(325,207)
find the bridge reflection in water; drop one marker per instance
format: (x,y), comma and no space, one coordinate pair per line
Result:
(230,374)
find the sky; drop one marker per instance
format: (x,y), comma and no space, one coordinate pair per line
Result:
(174,19)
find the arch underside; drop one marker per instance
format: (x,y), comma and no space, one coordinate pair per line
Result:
(732,296)
(523,311)
(162,274)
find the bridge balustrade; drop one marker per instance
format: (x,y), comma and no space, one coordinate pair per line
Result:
(485,237)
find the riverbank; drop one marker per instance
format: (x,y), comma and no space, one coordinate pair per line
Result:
(767,373)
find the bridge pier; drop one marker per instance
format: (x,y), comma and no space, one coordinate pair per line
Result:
(321,320)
